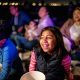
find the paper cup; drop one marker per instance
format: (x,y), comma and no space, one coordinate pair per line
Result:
(33,75)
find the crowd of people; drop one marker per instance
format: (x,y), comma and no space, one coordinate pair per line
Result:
(51,47)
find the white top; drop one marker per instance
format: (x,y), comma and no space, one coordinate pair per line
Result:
(44,23)
(75,32)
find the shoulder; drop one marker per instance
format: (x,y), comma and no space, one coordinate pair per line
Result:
(10,45)
(9,42)
(68,23)
(66,59)
(48,18)
(69,20)
(37,51)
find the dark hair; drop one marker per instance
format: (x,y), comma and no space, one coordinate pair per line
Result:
(45,8)
(76,8)
(36,23)
(59,48)
(5,30)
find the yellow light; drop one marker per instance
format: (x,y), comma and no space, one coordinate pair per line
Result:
(16,4)
(40,4)
(51,4)
(34,4)
(12,3)
(55,4)
(5,3)
(0,3)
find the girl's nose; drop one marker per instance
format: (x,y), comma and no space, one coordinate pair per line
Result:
(45,40)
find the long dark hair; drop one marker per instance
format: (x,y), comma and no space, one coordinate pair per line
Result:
(59,49)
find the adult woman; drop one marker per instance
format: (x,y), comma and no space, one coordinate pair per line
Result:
(75,28)
(10,65)
(51,57)
(71,29)
(75,34)
(45,19)
(65,29)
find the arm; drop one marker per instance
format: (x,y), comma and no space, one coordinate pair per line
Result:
(32,62)
(65,28)
(5,64)
(66,62)
(9,54)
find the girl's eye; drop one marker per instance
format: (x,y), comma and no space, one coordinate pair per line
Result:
(41,37)
(48,37)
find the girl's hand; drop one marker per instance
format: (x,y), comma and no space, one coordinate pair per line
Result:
(71,76)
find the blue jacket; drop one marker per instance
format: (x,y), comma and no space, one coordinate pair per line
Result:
(8,54)
(23,19)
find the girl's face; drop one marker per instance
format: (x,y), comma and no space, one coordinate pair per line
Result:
(42,12)
(47,41)
(76,15)
(32,25)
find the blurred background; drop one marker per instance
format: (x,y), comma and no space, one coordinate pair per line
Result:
(57,8)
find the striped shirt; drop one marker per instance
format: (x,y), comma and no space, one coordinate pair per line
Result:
(66,62)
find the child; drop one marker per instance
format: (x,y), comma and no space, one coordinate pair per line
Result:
(31,31)
(29,40)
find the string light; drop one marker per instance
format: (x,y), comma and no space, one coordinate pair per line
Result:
(34,4)
(5,3)
(16,4)
(0,3)
(40,4)
(55,4)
